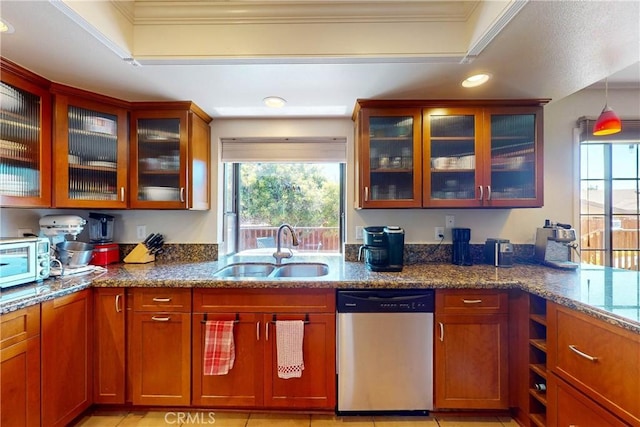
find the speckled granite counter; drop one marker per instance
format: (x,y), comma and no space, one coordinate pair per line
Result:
(608,294)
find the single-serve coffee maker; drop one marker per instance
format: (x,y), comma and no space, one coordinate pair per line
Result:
(554,242)
(383,248)
(461,252)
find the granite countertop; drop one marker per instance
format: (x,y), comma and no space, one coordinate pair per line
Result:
(609,294)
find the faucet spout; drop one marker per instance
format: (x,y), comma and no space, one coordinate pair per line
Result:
(279,254)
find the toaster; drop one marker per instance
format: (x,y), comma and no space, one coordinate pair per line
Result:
(498,252)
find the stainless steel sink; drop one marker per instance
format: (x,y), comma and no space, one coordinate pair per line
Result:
(301,269)
(246,269)
(265,269)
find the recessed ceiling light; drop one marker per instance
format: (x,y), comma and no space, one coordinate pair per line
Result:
(476,80)
(274,102)
(5,27)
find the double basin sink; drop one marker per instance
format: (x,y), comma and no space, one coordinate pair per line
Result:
(269,270)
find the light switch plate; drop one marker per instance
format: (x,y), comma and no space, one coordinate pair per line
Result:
(359,230)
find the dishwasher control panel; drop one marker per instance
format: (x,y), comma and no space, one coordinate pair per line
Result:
(386,301)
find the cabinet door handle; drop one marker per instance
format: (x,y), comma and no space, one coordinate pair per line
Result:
(122,194)
(182,194)
(160,319)
(366,194)
(441,331)
(266,331)
(258,331)
(156,299)
(585,355)
(488,192)
(472,301)
(481,192)
(118,309)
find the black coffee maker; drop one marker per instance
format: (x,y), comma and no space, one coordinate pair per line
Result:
(383,248)
(461,249)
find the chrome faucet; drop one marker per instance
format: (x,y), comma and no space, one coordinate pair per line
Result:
(279,253)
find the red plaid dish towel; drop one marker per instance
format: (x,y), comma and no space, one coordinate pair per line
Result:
(219,349)
(289,336)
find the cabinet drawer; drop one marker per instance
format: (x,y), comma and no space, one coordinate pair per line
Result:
(264,300)
(19,325)
(162,299)
(471,302)
(601,360)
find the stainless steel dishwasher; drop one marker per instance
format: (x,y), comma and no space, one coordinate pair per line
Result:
(385,351)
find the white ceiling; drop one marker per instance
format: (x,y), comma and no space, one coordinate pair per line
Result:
(321,56)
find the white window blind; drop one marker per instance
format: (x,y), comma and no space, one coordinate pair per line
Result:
(314,150)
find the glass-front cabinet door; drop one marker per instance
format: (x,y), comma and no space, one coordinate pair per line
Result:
(25,142)
(90,147)
(159,150)
(512,174)
(451,157)
(390,158)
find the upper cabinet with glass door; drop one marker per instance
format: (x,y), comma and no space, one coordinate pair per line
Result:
(170,156)
(91,150)
(389,158)
(25,138)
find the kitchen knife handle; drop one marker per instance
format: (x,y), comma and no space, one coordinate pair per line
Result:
(366,194)
(160,319)
(441,331)
(182,194)
(481,192)
(122,194)
(118,309)
(156,299)
(585,355)
(488,192)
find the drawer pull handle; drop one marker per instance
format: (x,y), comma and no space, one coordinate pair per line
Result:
(118,309)
(481,192)
(366,194)
(472,301)
(156,299)
(266,331)
(258,331)
(441,331)
(488,192)
(160,319)
(585,355)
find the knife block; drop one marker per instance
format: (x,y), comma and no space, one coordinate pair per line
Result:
(139,255)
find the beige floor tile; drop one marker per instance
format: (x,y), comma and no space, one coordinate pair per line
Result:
(151,419)
(217,419)
(104,420)
(341,421)
(411,421)
(445,421)
(508,422)
(278,420)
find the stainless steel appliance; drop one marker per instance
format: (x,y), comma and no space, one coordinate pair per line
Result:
(461,252)
(23,260)
(553,247)
(385,351)
(498,252)
(383,248)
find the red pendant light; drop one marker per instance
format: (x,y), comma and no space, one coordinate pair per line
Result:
(608,123)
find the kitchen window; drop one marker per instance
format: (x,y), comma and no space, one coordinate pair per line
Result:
(610,196)
(271,182)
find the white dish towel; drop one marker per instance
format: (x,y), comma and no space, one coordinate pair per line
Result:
(289,337)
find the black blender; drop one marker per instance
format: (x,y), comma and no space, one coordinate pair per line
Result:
(101,235)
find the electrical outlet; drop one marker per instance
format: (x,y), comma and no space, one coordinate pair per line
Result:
(141,231)
(449,221)
(23,231)
(438,233)
(359,230)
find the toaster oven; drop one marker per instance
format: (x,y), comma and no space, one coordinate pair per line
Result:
(23,260)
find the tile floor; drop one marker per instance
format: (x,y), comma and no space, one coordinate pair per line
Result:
(231,419)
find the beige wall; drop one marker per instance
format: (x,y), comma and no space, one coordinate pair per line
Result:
(518,225)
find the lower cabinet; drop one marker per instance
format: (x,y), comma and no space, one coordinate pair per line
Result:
(67,357)
(109,345)
(253,381)
(161,346)
(20,368)
(471,357)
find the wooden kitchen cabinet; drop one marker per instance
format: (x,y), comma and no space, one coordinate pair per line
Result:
(599,360)
(160,345)
(170,156)
(67,357)
(469,154)
(471,350)
(90,148)
(20,367)
(253,381)
(25,138)
(109,345)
